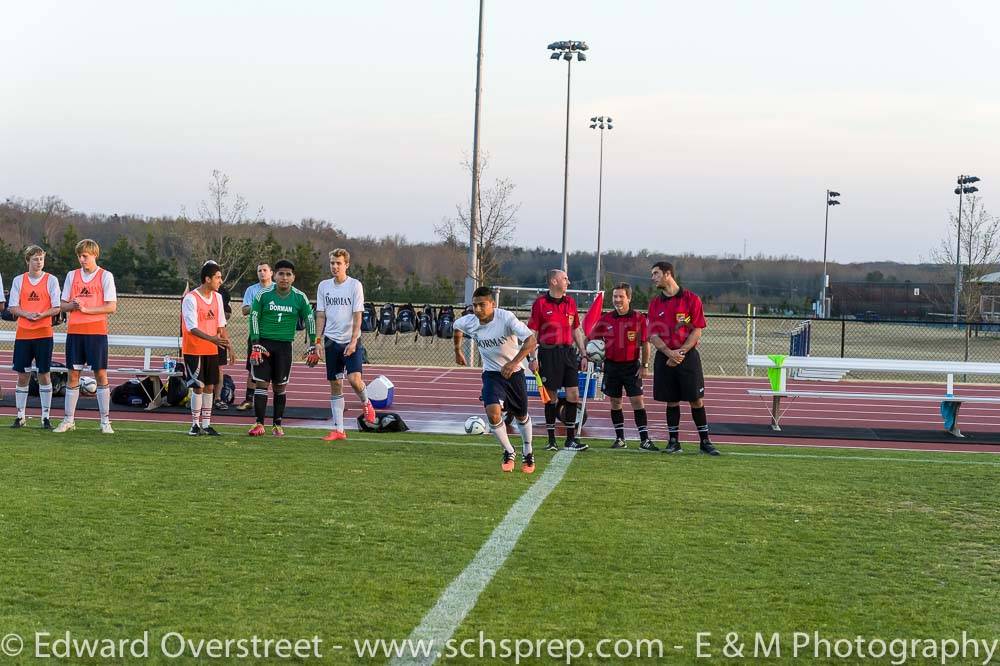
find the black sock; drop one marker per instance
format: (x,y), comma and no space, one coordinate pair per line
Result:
(700,420)
(551,413)
(279,408)
(250,388)
(673,422)
(641,422)
(571,421)
(260,404)
(618,421)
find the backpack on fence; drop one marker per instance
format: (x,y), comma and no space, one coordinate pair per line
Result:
(425,322)
(368,318)
(406,318)
(387,320)
(445,327)
(228,392)
(468,310)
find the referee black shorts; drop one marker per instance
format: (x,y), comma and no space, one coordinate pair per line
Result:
(681,383)
(558,367)
(622,376)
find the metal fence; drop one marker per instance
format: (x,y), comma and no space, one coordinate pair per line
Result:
(724,346)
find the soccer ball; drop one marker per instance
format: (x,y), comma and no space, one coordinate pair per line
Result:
(475,425)
(88,386)
(595,351)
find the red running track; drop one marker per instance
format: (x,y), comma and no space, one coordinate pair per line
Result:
(440,399)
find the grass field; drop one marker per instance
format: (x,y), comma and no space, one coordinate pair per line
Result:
(149,530)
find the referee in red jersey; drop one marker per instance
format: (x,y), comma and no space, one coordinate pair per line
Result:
(556,323)
(676,320)
(623,331)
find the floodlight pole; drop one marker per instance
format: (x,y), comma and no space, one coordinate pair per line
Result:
(958,254)
(472,262)
(824,308)
(602,123)
(565,256)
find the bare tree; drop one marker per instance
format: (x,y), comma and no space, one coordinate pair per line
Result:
(980,251)
(228,234)
(29,216)
(497,224)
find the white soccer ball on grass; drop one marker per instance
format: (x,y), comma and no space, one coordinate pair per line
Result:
(475,425)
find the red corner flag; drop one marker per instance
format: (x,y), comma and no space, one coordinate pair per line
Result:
(593,314)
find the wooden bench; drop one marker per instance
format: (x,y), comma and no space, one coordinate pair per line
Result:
(146,342)
(950,401)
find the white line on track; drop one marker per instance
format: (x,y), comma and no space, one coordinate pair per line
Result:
(461,595)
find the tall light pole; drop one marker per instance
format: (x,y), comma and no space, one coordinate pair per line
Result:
(964,187)
(565,50)
(602,123)
(472,263)
(831,200)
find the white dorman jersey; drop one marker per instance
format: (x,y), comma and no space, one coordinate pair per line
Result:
(498,340)
(339,302)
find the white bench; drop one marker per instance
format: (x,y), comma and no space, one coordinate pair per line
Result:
(825,364)
(147,342)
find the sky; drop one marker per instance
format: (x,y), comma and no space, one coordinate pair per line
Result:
(731,118)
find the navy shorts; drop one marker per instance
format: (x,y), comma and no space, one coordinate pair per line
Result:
(339,366)
(37,351)
(511,394)
(86,349)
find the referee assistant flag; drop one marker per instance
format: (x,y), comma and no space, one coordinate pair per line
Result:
(593,314)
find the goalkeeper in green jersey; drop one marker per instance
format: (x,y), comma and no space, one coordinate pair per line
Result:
(273,318)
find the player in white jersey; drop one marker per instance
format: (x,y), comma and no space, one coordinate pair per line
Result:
(340,301)
(504,342)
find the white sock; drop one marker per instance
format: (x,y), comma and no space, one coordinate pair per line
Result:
(21,399)
(363,395)
(104,402)
(45,395)
(337,409)
(206,413)
(195,405)
(69,406)
(525,430)
(500,432)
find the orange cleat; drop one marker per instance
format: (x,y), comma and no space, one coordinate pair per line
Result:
(335,435)
(528,465)
(508,462)
(257,430)
(370,413)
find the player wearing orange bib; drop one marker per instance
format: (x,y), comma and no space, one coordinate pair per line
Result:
(203,331)
(34,299)
(89,296)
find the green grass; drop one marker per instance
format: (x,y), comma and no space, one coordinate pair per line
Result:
(150,529)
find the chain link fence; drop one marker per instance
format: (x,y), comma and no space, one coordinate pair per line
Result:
(724,346)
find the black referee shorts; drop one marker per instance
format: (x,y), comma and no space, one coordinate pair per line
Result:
(681,383)
(619,376)
(558,367)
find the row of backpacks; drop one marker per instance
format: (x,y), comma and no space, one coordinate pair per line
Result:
(392,319)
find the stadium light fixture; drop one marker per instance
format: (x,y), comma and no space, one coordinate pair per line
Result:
(824,307)
(964,187)
(566,50)
(472,261)
(602,123)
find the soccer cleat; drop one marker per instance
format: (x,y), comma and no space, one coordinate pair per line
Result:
(277,431)
(64,426)
(708,448)
(18,423)
(619,444)
(370,413)
(106,428)
(257,430)
(649,446)
(552,446)
(46,424)
(221,406)
(673,446)
(210,432)
(508,461)
(575,445)
(244,406)
(335,435)
(528,464)
(195,430)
